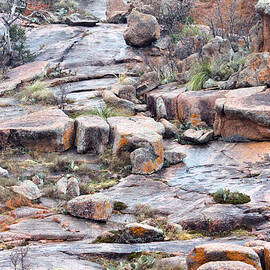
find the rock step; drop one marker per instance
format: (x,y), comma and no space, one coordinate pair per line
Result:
(48,130)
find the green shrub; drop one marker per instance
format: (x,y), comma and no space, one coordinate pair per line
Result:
(226,196)
(17,38)
(194,31)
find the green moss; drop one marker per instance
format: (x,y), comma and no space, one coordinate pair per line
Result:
(227,197)
(118,206)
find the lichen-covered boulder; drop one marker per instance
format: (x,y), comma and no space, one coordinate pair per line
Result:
(96,207)
(142,233)
(92,133)
(222,252)
(132,233)
(228,265)
(256,71)
(28,190)
(142,29)
(141,135)
(47,130)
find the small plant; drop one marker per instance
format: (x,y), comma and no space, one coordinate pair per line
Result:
(226,196)
(118,206)
(37,92)
(121,77)
(200,73)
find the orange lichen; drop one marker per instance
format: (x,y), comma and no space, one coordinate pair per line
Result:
(123,141)
(137,231)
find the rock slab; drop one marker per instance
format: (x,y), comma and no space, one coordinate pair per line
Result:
(48,130)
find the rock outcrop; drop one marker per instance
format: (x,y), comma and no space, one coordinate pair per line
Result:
(117,11)
(92,133)
(47,130)
(246,117)
(142,29)
(263,8)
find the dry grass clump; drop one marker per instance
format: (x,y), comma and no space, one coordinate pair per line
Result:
(37,92)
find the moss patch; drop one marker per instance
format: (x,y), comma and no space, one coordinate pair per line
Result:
(225,196)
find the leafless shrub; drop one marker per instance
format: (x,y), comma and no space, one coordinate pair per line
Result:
(226,21)
(18,258)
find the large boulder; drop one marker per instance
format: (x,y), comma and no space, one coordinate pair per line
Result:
(142,135)
(96,207)
(92,133)
(142,29)
(47,130)
(222,252)
(247,117)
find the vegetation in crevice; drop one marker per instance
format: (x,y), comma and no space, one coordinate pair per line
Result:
(225,196)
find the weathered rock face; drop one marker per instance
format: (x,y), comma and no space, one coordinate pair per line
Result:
(184,67)
(27,189)
(256,38)
(247,117)
(142,29)
(228,265)
(168,93)
(256,71)
(217,49)
(24,73)
(117,11)
(96,207)
(148,82)
(222,252)
(201,9)
(198,104)
(47,131)
(172,263)
(263,8)
(111,99)
(127,92)
(132,133)
(92,133)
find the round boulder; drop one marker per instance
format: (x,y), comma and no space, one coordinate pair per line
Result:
(142,29)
